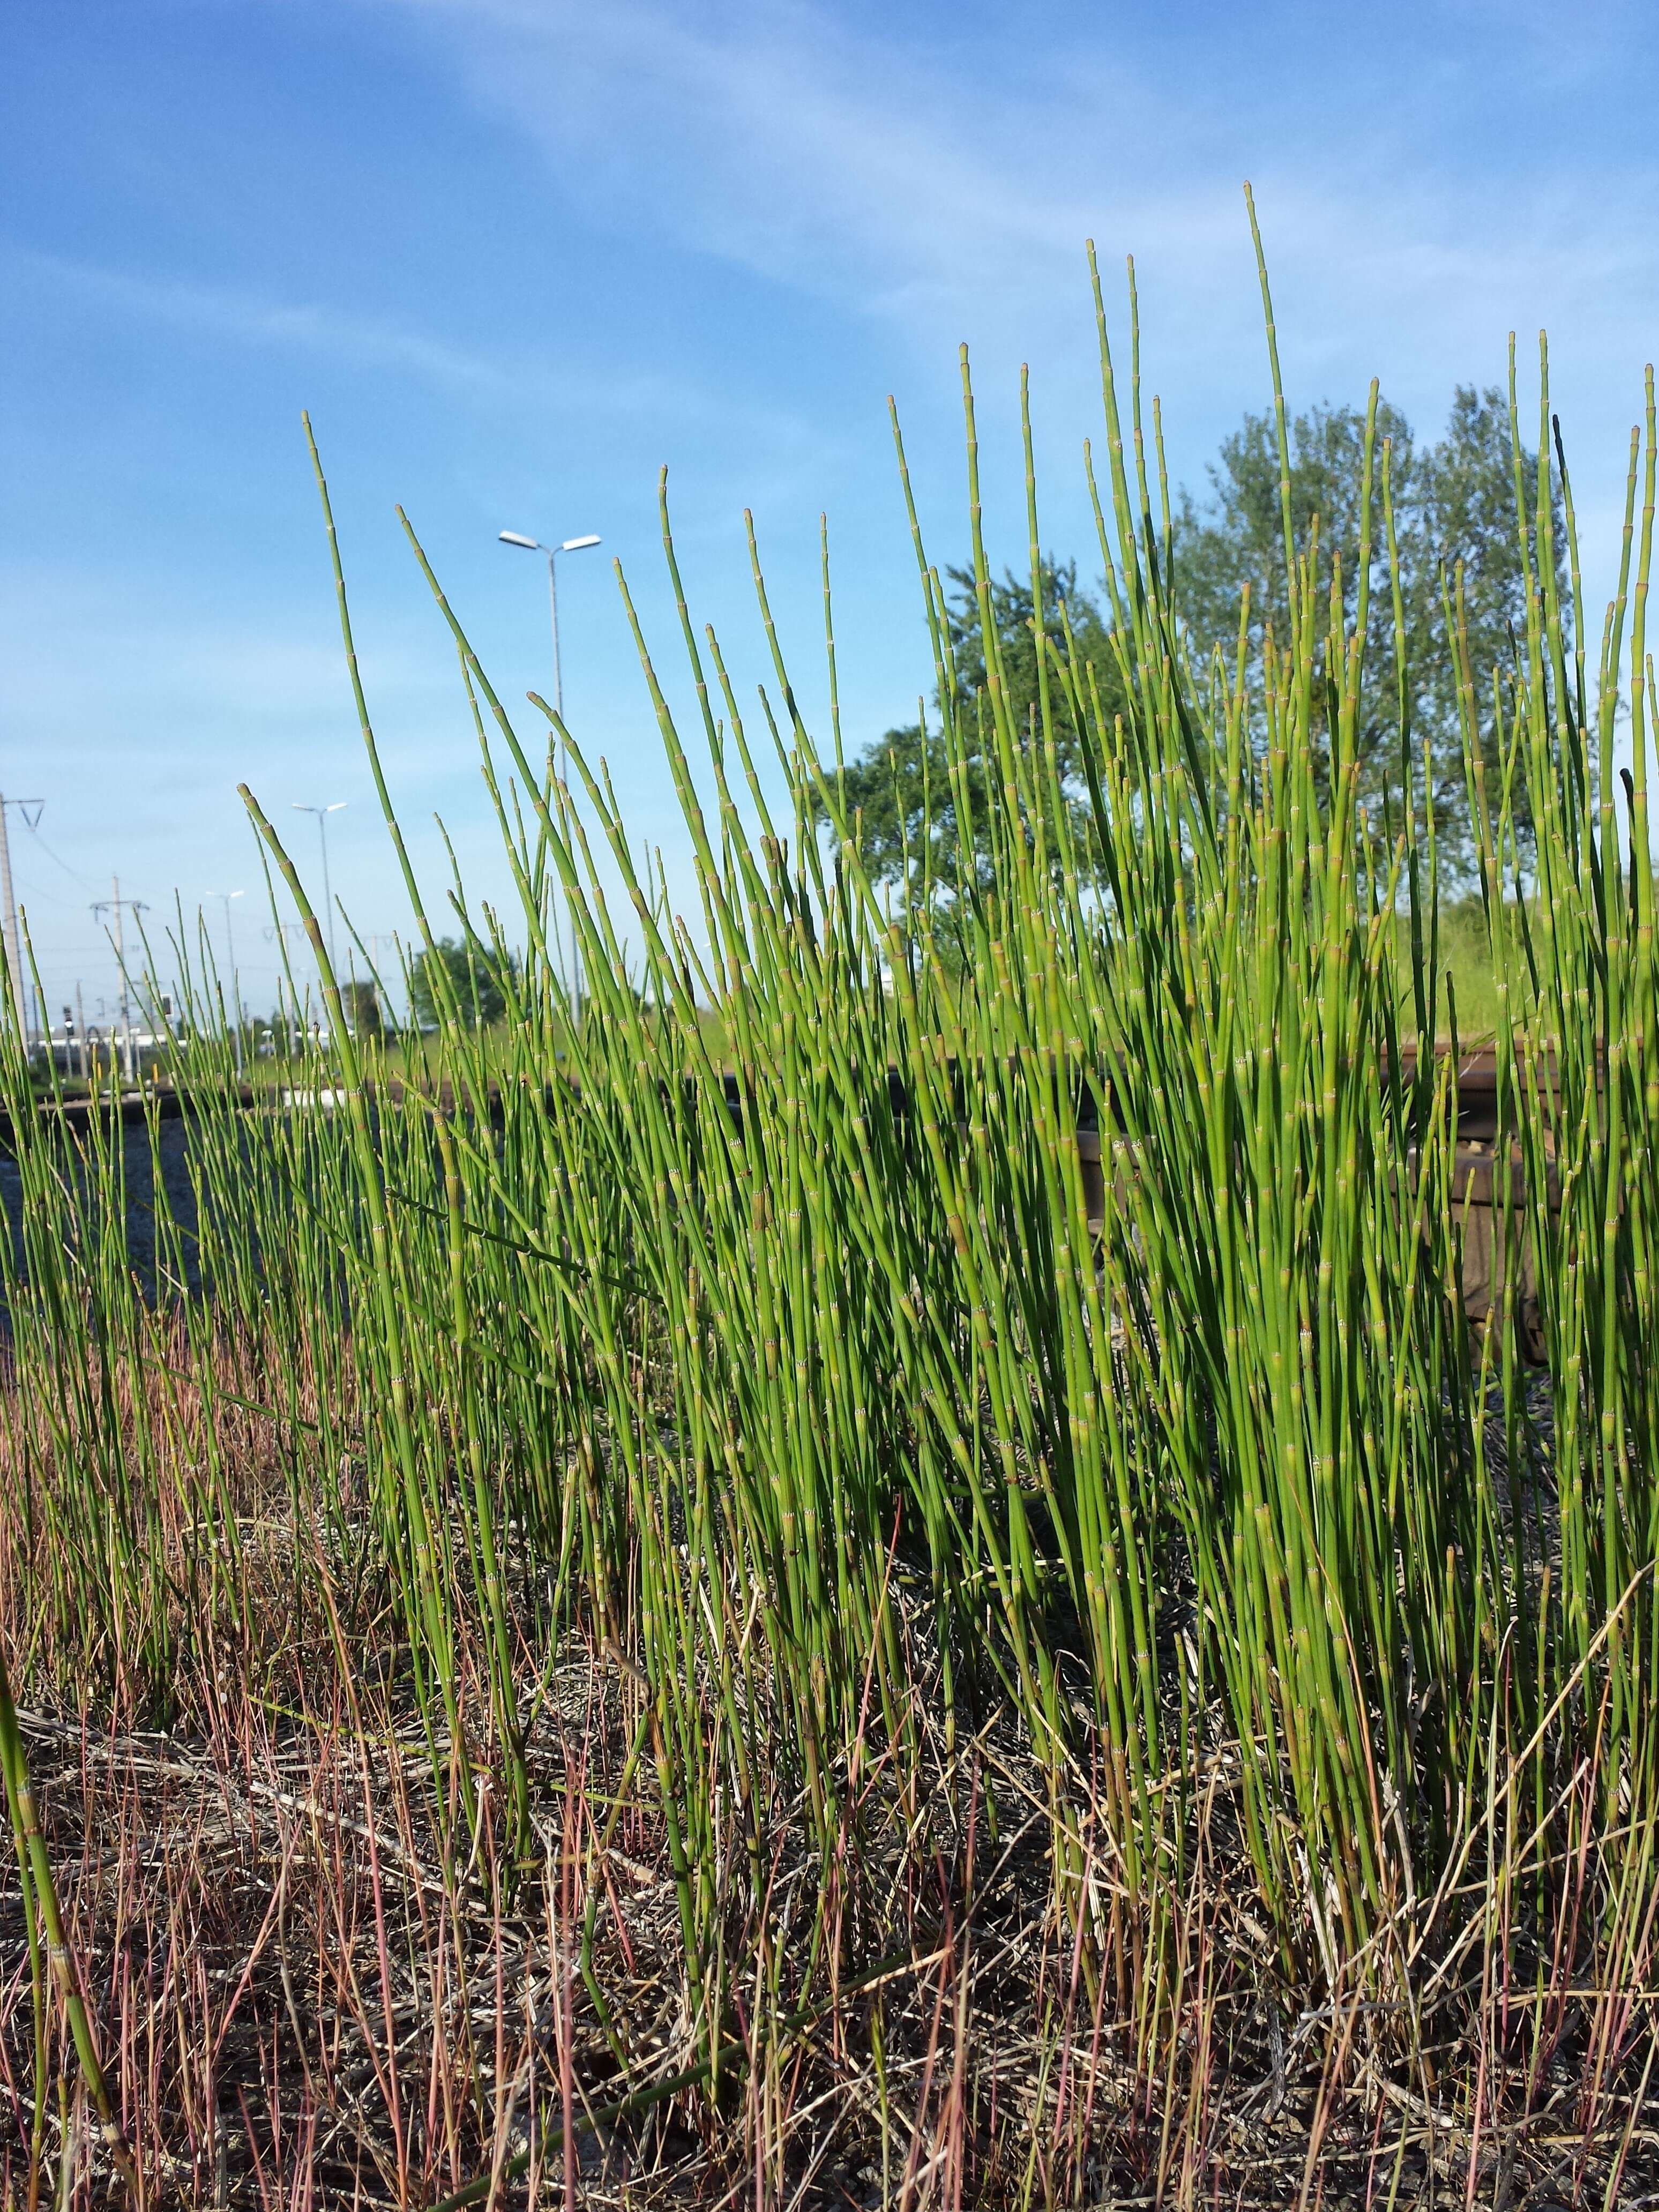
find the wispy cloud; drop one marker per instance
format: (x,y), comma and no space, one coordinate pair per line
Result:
(946,186)
(778,139)
(244,317)
(356,341)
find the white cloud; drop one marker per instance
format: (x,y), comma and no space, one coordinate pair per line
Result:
(776,140)
(942,191)
(244,317)
(247,318)
(894,180)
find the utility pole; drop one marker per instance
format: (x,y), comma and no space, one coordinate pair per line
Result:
(8,903)
(121,962)
(116,903)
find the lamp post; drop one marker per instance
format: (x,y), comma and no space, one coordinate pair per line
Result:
(225,898)
(552,553)
(322,814)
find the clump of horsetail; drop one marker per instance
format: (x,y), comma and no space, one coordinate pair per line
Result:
(762,1307)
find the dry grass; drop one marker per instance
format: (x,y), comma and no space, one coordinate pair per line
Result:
(303,2000)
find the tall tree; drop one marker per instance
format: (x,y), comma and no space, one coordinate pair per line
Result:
(1456,521)
(475,978)
(362,1001)
(898,789)
(1455,526)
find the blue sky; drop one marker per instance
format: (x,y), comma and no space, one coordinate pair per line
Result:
(514,255)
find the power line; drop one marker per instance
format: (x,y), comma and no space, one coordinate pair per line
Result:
(35,832)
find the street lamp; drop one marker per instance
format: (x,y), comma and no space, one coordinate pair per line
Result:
(552,552)
(322,814)
(535,546)
(225,898)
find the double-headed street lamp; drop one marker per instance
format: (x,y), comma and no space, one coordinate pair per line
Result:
(322,814)
(552,552)
(535,546)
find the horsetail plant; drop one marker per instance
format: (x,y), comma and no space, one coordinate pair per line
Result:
(875,1333)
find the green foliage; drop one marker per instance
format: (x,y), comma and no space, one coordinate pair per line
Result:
(1458,521)
(361,1000)
(924,799)
(464,978)
(1461,549)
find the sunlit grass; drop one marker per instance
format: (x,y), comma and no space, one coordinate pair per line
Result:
(801,1478)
